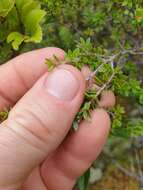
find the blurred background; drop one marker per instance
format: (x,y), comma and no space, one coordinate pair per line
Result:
(111,25)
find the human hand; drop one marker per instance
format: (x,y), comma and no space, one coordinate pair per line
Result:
(36,152)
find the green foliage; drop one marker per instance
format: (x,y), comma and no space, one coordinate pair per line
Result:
(109,74)
(20,22)
(16,39)
(118,115)
(93,18)
(5,7)
(106,36)
(83,181)
(50,64)
(65,36)
(3,115)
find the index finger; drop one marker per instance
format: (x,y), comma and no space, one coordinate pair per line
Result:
(20,73)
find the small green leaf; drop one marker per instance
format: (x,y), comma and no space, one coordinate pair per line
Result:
(3,115)
(50,64)
(83,181)
(75,125)
(16,39)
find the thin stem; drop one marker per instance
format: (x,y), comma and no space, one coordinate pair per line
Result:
(126,172)
(109,60)
(105,85)
(95,72)
(138,163)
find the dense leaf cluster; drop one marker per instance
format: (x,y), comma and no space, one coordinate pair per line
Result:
(110,73)
(106,36)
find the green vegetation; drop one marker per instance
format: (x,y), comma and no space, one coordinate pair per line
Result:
(106,36)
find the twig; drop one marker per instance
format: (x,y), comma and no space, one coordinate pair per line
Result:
(105,85)
(132,52)
(138,163)
(95,72)
(109,60)
(127,172)
(132,166)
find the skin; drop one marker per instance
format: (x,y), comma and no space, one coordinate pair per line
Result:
(107,99)
(38,150)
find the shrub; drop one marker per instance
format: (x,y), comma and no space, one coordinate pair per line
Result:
(106,36)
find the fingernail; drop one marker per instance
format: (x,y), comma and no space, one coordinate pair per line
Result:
(62,84)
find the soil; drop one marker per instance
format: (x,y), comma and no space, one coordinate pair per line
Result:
(115,180)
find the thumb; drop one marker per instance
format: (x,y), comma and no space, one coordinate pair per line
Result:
(38,124)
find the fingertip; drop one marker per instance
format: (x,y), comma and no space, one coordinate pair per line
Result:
(86,71)
(101,120)
(55,51)
(77,74)
(73,69)
(48,52)
(21,72)
(107,99)
(94,132)
(96,129)
(78,151)
(102,115)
